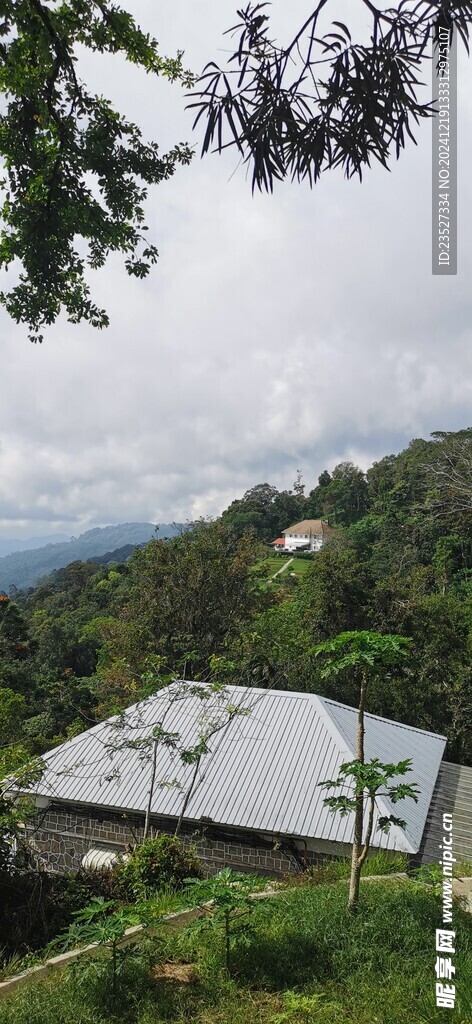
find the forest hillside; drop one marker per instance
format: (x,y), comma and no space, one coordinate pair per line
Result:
(23,568)
(92,638)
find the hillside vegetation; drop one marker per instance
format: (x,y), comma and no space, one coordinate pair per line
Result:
(10,545)
(91,639)
(22,569)
(299,959)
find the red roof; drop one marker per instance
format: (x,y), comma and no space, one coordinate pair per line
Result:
(280,540)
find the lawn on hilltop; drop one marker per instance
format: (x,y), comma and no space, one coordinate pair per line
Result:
(273,563)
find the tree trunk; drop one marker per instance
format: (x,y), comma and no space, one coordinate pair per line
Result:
(187,798)
(356,862)
(368,835)
(151,791)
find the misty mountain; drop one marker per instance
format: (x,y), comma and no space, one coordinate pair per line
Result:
(23,569)
(10,545)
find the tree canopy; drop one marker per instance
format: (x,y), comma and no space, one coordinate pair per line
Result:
(76,170)
(323,100)
(92,639)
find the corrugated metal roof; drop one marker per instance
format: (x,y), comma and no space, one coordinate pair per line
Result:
(396,743)
(262,770)
(452,795)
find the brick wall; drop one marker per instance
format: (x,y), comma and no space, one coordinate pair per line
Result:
(60,837)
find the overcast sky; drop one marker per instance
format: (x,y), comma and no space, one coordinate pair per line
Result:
(275,332)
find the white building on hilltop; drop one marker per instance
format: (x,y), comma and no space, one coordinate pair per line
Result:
(309,535)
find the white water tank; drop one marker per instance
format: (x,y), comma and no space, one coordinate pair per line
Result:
(97,859)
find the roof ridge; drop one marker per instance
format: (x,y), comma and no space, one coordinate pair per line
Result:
(336,731)
(391,721)
(383,803)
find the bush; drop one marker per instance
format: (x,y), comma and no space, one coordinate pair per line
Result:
(36,905)
(163,862)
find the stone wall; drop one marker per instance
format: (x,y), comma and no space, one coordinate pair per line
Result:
(61,836)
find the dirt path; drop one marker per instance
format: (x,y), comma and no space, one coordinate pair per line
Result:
(284,567)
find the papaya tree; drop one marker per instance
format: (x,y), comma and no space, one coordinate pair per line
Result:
(369,655)
(373,778)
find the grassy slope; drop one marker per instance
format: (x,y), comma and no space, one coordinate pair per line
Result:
(273,563)
(303,961)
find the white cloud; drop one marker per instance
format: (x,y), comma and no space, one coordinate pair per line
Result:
(275,332)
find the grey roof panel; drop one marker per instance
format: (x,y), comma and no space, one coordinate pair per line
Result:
(262,770)
(397,742)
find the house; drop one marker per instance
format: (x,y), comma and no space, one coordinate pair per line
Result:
(309,535)
(278,544)
(254,801)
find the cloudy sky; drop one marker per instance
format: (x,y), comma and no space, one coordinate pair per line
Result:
(275,332)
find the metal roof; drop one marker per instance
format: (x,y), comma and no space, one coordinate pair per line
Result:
(262,769)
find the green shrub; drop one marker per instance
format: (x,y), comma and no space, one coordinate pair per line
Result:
(231,894)
(36,905)
(163,862)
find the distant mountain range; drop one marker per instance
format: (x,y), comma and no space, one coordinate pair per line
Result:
(12,545)
(23,568)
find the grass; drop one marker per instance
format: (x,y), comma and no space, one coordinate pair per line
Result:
(273,563)
(381,862)
(299,566)
(165,901)
(301,960)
